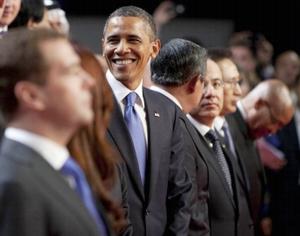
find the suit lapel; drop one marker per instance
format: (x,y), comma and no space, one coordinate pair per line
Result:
(51,179)
(122,140)
(216,167)
(155,128)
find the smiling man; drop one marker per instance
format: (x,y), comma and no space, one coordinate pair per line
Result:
(10,10)
(145,128)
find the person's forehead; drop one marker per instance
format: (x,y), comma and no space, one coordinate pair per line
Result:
(126,23)
(59,50)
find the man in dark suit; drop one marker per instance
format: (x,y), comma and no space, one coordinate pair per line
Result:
(158,187)
(44,98)
(224,189)
(182,82)
(232,93)
(267,108)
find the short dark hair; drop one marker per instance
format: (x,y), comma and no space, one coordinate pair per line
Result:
(219,54)
(177,61)
(21,60)
(133,11)
(30,10)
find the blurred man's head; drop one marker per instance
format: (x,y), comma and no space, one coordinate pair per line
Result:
(211,103)
(129,42)
(179,68)
(231,78)
(268,108)
(52,88)
(10,11)
(287,67)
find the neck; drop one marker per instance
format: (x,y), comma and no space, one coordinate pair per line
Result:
(57,134)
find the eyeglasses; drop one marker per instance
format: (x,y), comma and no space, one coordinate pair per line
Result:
(234,82)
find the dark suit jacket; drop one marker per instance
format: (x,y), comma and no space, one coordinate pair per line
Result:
(198,172)
(245,224)
(160,207)
(246,149)
(223,207)
(35,199)
(284,185)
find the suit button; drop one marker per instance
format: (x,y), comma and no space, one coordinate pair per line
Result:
(147,212)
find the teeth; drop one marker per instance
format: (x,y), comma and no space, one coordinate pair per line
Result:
(123,62)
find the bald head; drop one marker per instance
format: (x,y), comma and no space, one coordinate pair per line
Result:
(268,107)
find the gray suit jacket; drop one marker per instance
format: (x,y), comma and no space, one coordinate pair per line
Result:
(160,207)
(35,199)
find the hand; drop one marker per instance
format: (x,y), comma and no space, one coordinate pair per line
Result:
(266,226)
(271,157)
(164,13)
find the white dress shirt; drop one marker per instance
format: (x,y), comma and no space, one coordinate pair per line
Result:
(167,94)
(53,153)
(121,91)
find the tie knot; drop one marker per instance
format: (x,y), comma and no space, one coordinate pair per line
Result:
(211,136)
(72,168)
(130,99)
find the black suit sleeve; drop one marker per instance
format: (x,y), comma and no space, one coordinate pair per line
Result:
(179,187)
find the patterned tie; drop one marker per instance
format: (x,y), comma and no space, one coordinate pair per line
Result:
(71,169)
(213,138)
(136,131)
(228,138)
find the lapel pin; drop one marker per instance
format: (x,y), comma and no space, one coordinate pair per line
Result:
(156,114)
(210,145)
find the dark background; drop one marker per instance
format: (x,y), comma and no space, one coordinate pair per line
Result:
(277,20)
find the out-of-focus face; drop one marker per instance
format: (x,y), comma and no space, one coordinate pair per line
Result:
(2,3)
(10,11)
(127,47)
(267,120)
(66,95)
(211,102)
(242,56)
(232,89)
(288,68)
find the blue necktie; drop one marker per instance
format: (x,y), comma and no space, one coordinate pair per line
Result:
(228,138)
(71,169)
(213,138)
(135,127)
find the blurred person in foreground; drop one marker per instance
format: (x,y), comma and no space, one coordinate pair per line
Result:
(43,191)
(93,152)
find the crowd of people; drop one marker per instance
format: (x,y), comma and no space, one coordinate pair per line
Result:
(145,139)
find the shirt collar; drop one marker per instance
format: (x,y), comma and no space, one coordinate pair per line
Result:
(167,94)
(203,129)
(55,154)
(121,91)
(218,123)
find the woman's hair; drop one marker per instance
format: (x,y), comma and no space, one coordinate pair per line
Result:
(90,147)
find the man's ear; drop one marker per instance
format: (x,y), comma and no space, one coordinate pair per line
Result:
(155,48)
(259,103)
(29,95)
(191,85)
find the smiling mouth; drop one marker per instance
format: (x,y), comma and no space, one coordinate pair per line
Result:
(123,61)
